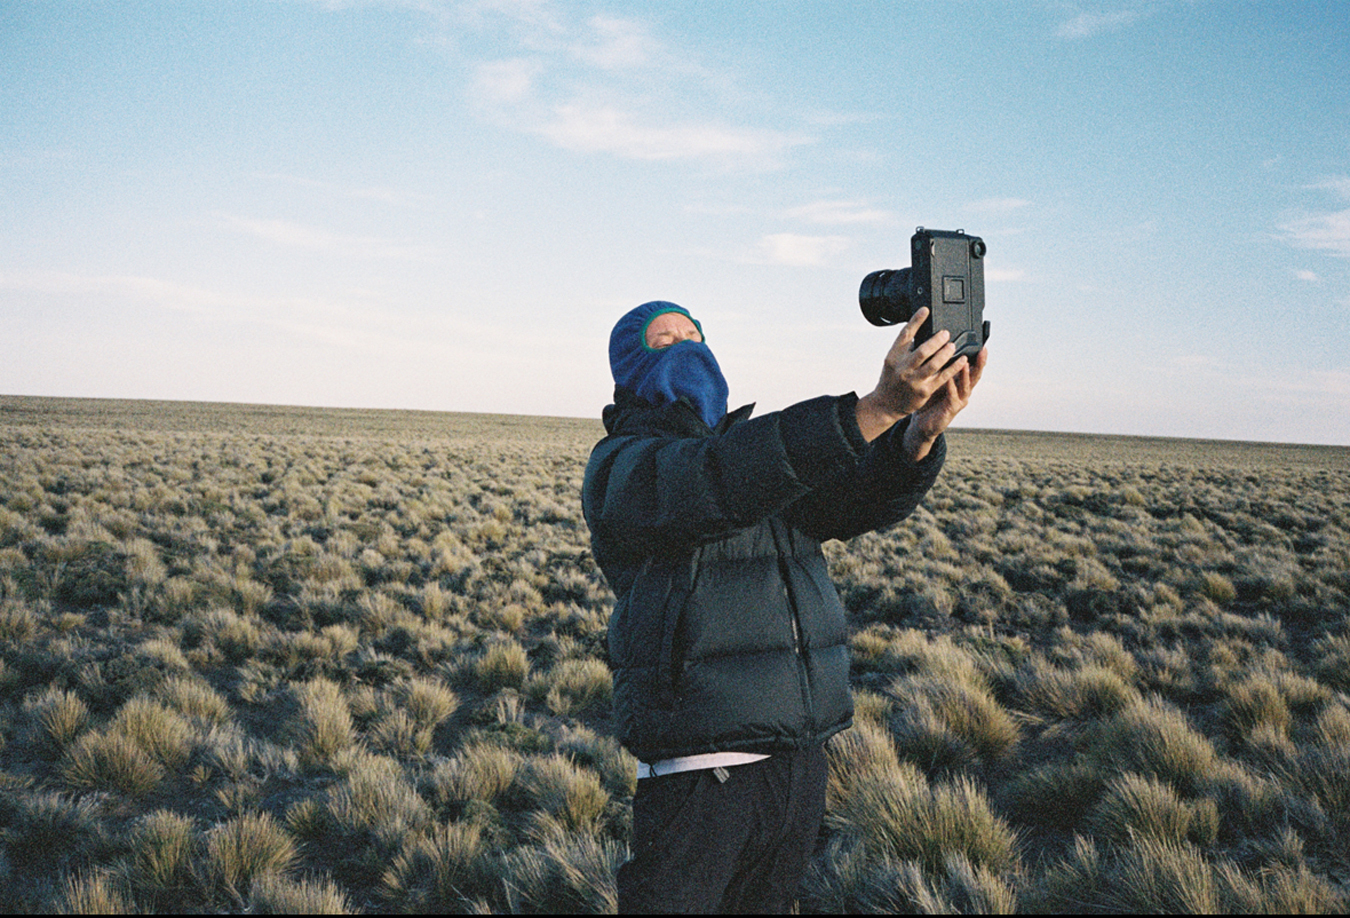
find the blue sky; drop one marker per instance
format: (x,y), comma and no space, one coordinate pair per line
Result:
(446,205)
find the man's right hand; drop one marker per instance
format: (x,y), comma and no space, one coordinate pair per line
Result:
(910,377)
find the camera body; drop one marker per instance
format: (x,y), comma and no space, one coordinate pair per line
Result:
(946,275)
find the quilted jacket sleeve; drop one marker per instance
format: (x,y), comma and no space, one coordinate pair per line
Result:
(880,490)
(649,493)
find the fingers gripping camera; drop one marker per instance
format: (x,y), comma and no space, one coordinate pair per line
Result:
(946,275)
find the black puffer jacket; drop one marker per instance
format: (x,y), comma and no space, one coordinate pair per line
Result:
(727,633)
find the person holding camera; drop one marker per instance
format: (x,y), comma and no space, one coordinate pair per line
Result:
(728,642)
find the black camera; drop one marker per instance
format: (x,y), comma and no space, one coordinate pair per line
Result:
(946,274)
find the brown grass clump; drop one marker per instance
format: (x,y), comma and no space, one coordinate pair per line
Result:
(1170,877)
(59,717)
(112,761)
(93,893)
(504,664)
(442,870)
(574,687)
(377,801)
(195,699)
(565,799)
(1134,806)
(323,727)
(273,894)
(164,734)
(942,722)
(898,814)
(246,848)
(564,875)
(1155,739)
(481,772)
(160,863)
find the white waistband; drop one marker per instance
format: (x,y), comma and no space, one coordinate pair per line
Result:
(696,762)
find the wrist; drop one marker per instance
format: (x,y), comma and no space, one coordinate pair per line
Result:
(916,444)
(873,418)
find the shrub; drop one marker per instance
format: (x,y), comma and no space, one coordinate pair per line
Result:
(59,717)
(273,894)
(112,761)
(1154,739)
(159,863)
(439,871)
(1136,806)
(897,814)
(504,665)
(564,876)
(323,727)
(96,892)
(247,847)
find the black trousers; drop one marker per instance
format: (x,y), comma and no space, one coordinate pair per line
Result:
(740,846)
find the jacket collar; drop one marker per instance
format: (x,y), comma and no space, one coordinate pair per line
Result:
(635,416)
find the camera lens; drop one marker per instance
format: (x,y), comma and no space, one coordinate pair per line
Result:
(977,248)
(884,297)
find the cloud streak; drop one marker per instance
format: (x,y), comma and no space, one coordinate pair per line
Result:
(1086,25)
(570,85)
(288,234)
(794,250)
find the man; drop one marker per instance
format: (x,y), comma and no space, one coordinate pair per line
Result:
(728,641)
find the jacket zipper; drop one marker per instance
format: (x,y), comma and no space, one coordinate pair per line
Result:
(797,649)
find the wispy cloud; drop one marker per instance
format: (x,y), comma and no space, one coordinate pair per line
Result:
(1326,231)
(377,193)
(618,44)
(800,251)
(840,213)
(574,83)
(1086,25)
(606,129)
(997,205)
(323,321)
(316,239)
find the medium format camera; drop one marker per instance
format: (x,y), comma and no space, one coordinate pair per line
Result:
(946,274)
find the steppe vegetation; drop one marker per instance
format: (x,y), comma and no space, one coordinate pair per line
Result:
(283,660)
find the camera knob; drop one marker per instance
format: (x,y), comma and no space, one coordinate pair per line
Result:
(977,248)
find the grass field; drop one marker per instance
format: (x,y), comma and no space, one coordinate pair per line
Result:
(275,659)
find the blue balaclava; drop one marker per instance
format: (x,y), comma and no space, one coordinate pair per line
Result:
(687,369)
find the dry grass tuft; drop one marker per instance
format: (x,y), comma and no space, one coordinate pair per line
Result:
(272,894)
(1155,739)
(323,728)
(246,848)
(440,871)
(897,814)
(160,861)
(112,761)
(60,716)
(94,893)
(564,876)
